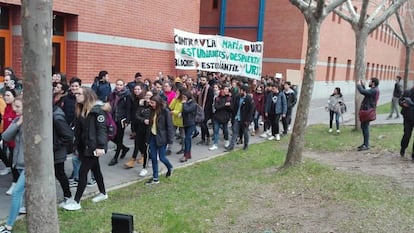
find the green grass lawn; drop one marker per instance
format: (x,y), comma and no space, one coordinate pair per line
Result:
(221,189)
(384,108)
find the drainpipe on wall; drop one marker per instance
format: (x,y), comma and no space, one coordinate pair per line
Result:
(223,9)
(260,25)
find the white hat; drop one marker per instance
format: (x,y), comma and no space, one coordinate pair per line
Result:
(278,75)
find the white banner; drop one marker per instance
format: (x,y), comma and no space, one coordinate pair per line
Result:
(218,54)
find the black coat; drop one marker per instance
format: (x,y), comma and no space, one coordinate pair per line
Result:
(121,109)
(223,112)
(91,132)
(246,110)
(189,112)
(208,106)
(63,135)
(165,128)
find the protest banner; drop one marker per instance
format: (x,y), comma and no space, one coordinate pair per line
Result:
(216,53)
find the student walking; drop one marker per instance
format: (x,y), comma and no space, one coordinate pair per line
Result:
(396,94)
(14,133)
(161,134)
(189,113)
(91,142)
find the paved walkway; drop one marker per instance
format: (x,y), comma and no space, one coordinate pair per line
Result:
(116,176)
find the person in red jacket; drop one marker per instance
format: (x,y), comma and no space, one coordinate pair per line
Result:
(8,147)
(259,103)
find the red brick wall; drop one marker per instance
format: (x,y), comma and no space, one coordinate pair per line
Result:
(145,20)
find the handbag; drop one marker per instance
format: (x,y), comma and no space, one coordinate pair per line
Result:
(367,114)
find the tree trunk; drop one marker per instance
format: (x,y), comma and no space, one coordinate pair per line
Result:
(361,36)
(296,144)
(407,65)
(37,111)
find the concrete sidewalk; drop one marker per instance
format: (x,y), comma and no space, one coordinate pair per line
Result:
(116,176)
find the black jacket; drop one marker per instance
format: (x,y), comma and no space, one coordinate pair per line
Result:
(223,112)
(371,97)
(208,106)
(62,135)
(246,110)
(165,128)
(189,112)
(121,109)
(407,105)
(142,113)
(69,103)
(91,132)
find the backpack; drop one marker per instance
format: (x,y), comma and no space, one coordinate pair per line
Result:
(199,114)
(111,128)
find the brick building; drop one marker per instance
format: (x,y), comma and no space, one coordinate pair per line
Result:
(283,30)
(122,37)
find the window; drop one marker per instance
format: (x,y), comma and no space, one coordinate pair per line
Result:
(328,70)
(4,18)
(58,25)
(334,69)
(348,70)
(367,71)
(215,4)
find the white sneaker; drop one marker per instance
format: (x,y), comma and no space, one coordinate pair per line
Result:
(10,190)
(143,172)
(277,137)
(213,147)
(271,138)
(226,143)
(100,197)
(338,131)
(72,205)
(330,130)
(22,210)
(289,128)
(264,135)
(65,201)
(5,171)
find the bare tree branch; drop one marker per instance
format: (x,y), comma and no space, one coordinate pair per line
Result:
(333,5)
(351,9)
(386,14)
(376,11)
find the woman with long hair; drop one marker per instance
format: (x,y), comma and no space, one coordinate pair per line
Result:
(334,107)
(161,134)
(121,111)
(15,133)
(91,142)
(176,107)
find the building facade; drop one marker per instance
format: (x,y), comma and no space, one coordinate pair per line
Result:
(122,37)
(125,37)
(283,30)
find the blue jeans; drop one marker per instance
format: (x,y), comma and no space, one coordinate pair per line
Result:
(256,120)
(217,127)
(331,115)
(365,132)
(76,166)
(188,132)
(16,200)
(157,150)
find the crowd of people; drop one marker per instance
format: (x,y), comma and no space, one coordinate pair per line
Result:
(158,111)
